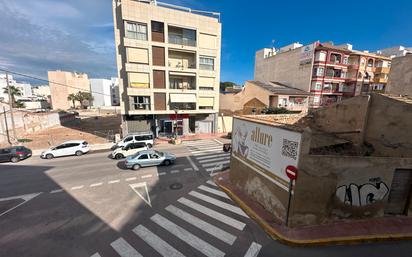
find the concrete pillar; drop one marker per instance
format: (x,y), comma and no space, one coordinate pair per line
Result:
(186,126)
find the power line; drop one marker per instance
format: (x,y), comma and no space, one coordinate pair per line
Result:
(48,81)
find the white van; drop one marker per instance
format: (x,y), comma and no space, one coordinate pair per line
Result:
(140,137)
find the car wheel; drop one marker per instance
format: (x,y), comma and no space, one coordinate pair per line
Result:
(136,167)
(79,153)
(119,156)
(14,159)
(49,156)
(149,145)
(167,163)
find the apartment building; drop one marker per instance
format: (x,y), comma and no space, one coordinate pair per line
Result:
(105,92)
(330,73)
(62,84)
(168,61)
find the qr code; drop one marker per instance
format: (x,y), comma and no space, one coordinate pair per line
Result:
(290,149)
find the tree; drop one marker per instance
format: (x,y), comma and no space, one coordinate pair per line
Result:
(227,84)
(14,91)
(73,99)
(84,98)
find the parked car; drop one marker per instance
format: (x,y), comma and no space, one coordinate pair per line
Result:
(74,147)
(140,137)
(14,154)
(149,158)
(128,150)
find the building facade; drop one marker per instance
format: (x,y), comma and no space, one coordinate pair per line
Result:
(105,92)
(24,88)
(62,84)
(330,73)
(168,61)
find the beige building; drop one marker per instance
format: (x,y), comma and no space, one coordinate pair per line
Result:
(256,96)
(400,76)
(62,84)
(330,73)
(168,61)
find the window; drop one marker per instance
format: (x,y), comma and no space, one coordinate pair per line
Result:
(206,88)
(142,138)
(346,60)
(183,106)
(335,58)
(127,139)
(181,36)
(143,157)
(207,63)
(316,99)
(140,102)
(318,86)
(370,63)
(136,30)
(319,71)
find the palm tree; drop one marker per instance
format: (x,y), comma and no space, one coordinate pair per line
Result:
(73,98)
(14,91)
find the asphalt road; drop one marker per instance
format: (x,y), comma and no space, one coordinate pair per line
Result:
(92,206)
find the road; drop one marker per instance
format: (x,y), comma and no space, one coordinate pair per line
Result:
(92,206)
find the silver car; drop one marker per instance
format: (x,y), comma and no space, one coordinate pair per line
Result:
(149,158)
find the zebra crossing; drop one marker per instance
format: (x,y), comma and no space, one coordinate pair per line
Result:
(209,154)
(198,221)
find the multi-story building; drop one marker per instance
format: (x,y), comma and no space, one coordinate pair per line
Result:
(105,92)
(24,88)
(329,72)
(168,61)
(42,91)
(62,84)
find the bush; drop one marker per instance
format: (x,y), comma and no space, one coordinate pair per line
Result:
(24,140)
(276,110)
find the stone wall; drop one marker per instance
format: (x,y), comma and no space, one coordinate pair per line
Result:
(400,76)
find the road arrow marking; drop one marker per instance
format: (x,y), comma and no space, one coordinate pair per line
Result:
(141,190)
(25,198)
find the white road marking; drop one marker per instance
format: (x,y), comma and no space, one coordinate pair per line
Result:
(200,224)
(131,179)
(56,191)
(214,191)
(188,169)
(25,198)
(192,240)
(124,249)
(192,163)
(210,182)
(215,159)
(96,255)
(161,173)
(212,156)
(217,150)
(253,250)
(217,141)
(114,181)
(96,184)
(218,203)
(147,176)
(204,147)
(77,187)
(198,143)
(215,163)
(162,247)
(175,171)
(143,194)
(213,214)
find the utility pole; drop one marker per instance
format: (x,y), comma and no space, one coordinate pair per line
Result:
(7,126)
(13,125)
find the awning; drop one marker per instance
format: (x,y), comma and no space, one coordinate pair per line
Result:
(175,73)
(183,98)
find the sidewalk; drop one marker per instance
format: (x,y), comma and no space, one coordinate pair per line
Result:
(354,231)
(95,147)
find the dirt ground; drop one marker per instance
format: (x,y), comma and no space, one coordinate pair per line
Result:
(93,129)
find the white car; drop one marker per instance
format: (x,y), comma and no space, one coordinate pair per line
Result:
(128,150)
(74,147)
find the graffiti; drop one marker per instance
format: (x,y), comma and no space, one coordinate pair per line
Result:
(362,195)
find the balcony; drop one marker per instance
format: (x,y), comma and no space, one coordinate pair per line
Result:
(181,36)
(182,82)
(382,70)
(380,80)
(181,60)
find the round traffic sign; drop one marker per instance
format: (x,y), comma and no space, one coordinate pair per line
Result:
(291,172)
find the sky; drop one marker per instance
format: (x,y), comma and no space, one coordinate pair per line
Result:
(77,35)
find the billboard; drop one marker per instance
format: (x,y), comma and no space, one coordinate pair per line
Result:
(306,54)
(270,148)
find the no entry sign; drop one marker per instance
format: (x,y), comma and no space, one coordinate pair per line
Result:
(291,172)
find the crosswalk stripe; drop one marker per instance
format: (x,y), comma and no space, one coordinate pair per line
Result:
(162,247)
(199,142)
(214,191)
(213,169)
(184,235)
(210,182)
(206,151)
(124,249)
(203,146)
(213,214)
(211,155)
(215,163)
(56,191)
(200,224)
(218,203)
(253,250)
(215,159)
(96,255)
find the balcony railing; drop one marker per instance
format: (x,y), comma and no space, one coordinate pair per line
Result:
(180,40)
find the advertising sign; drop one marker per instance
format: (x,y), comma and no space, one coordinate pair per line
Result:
(270,148)
(306,54)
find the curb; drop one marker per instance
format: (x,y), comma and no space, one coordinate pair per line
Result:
(309,242)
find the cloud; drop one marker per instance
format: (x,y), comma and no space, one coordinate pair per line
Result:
(37,36)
